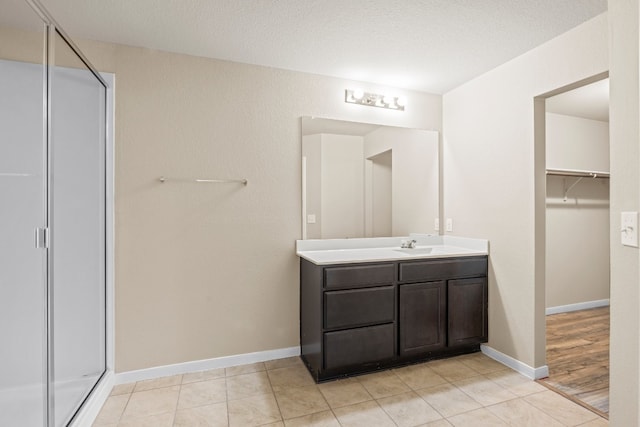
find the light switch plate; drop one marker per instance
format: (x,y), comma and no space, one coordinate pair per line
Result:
(629,229)
(311,219)
(436,224)
(449,224)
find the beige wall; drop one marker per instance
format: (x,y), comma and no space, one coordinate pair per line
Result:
(494,177)
(624,23)
(577,241)
(204,271)
(576,143)
(24,46)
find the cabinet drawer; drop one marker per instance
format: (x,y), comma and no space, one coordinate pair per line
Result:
(363,275)
(358,346)
(359,307)
(425,271)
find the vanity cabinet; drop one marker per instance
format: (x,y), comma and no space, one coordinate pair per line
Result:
(361,317)
(448,313)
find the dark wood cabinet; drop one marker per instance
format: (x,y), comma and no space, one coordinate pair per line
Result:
(357,318)
(467,308)
(422,317)
(359,275)
(353,348)
(359,307)
(438,269)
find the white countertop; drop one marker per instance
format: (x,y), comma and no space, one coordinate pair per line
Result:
(346,251)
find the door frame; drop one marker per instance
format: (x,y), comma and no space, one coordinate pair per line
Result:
(540,195)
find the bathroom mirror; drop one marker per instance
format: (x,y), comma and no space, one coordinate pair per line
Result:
(367,180)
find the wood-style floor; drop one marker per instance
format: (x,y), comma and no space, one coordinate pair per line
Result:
(578,357)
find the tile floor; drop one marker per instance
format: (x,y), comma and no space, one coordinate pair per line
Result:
(470,390)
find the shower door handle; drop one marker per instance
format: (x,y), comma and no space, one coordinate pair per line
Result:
(42,237)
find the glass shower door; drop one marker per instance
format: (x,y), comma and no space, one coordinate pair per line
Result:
(77,199)
(23,300)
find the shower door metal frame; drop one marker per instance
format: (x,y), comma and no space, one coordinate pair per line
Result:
(52,28)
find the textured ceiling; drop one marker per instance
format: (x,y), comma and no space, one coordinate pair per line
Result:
(427,45)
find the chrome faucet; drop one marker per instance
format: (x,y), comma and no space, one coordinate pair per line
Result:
(408,244)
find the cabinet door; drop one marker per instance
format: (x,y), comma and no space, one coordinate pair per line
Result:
(422,322)
(467,306)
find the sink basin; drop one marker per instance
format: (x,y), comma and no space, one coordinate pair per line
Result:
(415,251)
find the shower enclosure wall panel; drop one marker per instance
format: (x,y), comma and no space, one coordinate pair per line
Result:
(22,265)
(77,195)
(52,225)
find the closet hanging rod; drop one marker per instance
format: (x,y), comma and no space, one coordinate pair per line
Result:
(164,179)
(578,173)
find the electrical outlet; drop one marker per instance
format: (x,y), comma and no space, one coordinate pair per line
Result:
(311,219)
(436,224)
(449,224)
(629,229)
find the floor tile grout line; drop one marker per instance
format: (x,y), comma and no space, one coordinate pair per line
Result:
(175,410)
(226,402)
(273,392)
(125,408)
(394,371)
(482,406)
(323,398)
(525,402)
(316,387)
(388,414)
(336,417)
(331,408)
(435,409)
(575,400)
(480,403)
(551,415)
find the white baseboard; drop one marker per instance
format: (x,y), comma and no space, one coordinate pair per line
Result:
(91,408)
(578,306)
(516,365)
(204,365)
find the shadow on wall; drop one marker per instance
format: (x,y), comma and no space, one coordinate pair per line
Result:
(497,313)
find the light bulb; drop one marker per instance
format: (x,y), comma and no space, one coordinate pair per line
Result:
(388,100)
(357,94)
(401,101)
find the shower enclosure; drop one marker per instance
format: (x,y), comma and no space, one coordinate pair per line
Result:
(52,221)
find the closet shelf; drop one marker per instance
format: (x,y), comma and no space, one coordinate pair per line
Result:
(578,173)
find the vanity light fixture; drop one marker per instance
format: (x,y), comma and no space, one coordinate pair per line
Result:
(357,96)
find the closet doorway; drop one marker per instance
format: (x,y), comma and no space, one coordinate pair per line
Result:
(577,244)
